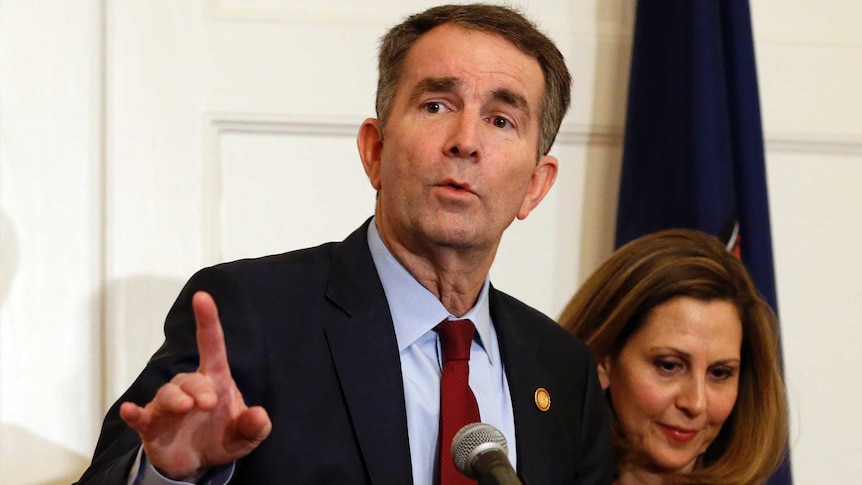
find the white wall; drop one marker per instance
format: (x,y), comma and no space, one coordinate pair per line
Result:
(50,249)
(86,274)
(809,61)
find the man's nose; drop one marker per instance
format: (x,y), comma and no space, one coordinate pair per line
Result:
(463,141)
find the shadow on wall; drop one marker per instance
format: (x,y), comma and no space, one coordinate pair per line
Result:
(136,308)
(133,326)
(8,256)
(27,459)
(23,455)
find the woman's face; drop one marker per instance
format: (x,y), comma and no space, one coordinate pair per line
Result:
(675,381)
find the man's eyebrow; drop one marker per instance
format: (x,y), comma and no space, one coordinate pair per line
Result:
(433,85)
(513,99)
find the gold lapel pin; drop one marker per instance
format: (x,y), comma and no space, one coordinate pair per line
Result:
(543,399)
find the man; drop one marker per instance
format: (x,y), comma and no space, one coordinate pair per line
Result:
(328,367)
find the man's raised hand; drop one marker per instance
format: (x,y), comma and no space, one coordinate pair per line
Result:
(199,419)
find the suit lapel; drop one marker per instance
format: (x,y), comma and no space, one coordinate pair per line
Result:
(365,353)
(526,374)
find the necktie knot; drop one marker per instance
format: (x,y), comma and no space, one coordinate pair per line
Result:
(456,336)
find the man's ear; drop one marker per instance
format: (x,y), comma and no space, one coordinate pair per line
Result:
(544,175)
(370,144)
(604,368)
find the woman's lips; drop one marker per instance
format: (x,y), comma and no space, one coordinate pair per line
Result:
(681,435)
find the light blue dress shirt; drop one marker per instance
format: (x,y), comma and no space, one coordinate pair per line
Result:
(415,312)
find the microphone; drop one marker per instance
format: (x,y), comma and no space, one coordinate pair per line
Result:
(480,452)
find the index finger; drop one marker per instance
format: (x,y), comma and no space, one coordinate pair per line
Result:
(210,337)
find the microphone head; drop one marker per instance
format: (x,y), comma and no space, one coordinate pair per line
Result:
(473,440)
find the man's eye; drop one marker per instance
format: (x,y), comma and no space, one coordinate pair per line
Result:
(434,107)
(501,122)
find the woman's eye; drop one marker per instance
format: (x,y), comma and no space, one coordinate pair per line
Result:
(667,365)
(722,373)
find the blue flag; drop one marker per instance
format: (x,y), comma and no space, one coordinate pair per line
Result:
(693,151)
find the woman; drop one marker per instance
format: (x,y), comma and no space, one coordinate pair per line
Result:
(688,356)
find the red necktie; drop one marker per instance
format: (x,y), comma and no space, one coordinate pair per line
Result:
(457,403)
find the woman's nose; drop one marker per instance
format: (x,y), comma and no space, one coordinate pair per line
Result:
(692,397)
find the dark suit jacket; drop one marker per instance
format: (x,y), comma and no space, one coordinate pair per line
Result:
(310,337)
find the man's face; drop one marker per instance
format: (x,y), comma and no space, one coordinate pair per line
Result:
(458,160)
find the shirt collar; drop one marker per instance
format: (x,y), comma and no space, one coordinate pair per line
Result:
(415,310)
